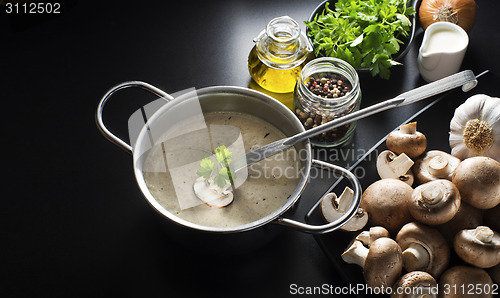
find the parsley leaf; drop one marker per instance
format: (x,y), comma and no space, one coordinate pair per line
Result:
(364,33)
(203,172)
(207,163)
(223,155)
(208,167)
(220,180)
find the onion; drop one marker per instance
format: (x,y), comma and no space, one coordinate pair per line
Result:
(460,12)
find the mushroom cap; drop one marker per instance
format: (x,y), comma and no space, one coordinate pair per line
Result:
(476,251)
(367,237)
(423,173)
(424,209)
(413,144)
(328,209)
(383,264)
(433,242)
(385,201)
(492,218)
(413,280)
(478,180)
(378,232)
(467,217)
(357,221)
(457,280)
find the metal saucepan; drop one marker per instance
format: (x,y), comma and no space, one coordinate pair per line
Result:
(229,99)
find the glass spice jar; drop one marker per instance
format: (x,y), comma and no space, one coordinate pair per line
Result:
(328,88)
(280,52)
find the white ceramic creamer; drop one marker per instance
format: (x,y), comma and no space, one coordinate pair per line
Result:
(442,50)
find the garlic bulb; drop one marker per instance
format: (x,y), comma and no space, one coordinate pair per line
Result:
(475,128)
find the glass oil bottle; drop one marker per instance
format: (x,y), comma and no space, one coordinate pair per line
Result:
(280,52)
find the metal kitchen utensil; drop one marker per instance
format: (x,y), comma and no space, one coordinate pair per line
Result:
(234,99)
(466,79)
(227,99)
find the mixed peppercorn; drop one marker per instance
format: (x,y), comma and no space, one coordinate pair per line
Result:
(332,87)
(329,87)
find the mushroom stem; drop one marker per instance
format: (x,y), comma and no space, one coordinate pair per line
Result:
(484,234)
(409,128)
(345,200)
(416,257)
(355,254)
(438,166)
(364,237)
(432,195)
(401,164)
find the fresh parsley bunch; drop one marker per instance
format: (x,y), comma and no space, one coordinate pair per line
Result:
(220,172)
(364,33)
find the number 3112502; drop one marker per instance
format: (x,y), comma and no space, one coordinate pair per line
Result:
(32,8)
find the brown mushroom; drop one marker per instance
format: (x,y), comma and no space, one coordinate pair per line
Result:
(434,202)
(407,140)
(424,249)
(478,180)
(391,165)
(385,201)
(382,263)
(435,165)
(467,217)
(465,281)
(492,218)
(479,247)
(333,208)
(415,284)
(367,237)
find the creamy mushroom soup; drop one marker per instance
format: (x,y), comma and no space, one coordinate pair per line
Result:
(171,165)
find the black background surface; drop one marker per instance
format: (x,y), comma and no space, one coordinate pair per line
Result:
(72,219)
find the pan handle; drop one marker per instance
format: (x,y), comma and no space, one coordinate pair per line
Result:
(321,229)
(100,124)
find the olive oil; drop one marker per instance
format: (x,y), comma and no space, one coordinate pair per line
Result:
(272,79)
(279,54)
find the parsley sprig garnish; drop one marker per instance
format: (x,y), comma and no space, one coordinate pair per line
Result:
(364,33)
(220,172)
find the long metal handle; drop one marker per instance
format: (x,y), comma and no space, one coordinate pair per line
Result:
(321,229)
(100,123)
(376,108)
(466,79)
(281,145)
